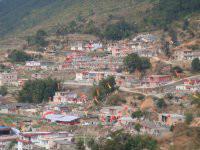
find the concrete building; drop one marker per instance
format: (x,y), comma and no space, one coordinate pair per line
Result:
(33,64)
(171,119)
(156,80)
(186,55)
(68,97)
(42,140)
(8,78)
(76,45)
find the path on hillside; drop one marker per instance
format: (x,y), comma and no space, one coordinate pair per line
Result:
(131,90)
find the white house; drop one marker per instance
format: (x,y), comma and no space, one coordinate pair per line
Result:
(79,77)
(68,97)
(76,45)
(92,46)
(33,64)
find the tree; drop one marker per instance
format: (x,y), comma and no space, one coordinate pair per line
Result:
(72,27)
(133,62)
(91,28)
(176,70)
(104,88)
(137,114)
(3,90)
(41,33)
(119,140)
(79,17)
(19,56)
(92,144)
(118,31)
(196,99)
(165,46)
(137,127)
(80,145)
(188,118)
(166,49)
(195,65)
(174,37)
(91,12)
(38,91)
(172,128)
(161,103)
(186,24)
(4,68)
(144,64)
(38,39)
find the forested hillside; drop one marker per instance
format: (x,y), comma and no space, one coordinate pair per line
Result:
(26,16)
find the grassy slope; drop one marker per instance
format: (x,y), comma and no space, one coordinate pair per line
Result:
(23,17)
(27,16)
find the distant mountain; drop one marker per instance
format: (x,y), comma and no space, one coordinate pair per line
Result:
(26,16)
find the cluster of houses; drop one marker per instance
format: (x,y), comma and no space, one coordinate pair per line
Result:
(86,46)
(189,86)
(70,108)
(144,45)
(81,60)
(14,78)
(34,140)
(78,58)
(121,79)
(45,140)
(184,52)
(156,80)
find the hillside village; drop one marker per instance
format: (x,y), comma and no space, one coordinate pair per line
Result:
(80,91)
(156,100)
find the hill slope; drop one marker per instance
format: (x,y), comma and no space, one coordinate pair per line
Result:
(25,16)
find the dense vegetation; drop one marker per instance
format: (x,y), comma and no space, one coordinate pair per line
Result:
(3,90)
(137,114)
(38,39)
(119,140)
(161,103)
(4,68)
(133,62)
(176,69)
(196,100)
(167,11)
(19,56)
(38,91)
(113,31)
(118,31)
(104,88)
(196,65)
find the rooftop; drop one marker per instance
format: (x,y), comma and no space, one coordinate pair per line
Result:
(59,117)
